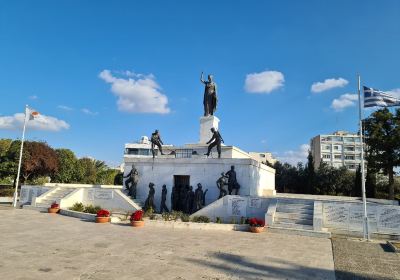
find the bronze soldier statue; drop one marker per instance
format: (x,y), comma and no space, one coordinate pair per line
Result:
(232,181)
(221,182)
(156,141)
(210,99)
(215,140)
(163,206)
(133,178)
(149,203)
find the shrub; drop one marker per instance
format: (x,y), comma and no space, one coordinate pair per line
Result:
(54,205)
(78,206)
(137,216)
(218,220)
(103,213)
(7,191)
(185,218)
(233,221)
(254,222)
(243,220)
(91,209)
(171,216)
(201,219)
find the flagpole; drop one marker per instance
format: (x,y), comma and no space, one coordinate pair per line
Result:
(20,158)
(364,198)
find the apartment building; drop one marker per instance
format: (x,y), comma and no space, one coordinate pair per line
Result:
(338,149)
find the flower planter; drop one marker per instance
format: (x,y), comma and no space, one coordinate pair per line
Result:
(102,220)
(137,223)
(53,210)
(256,229)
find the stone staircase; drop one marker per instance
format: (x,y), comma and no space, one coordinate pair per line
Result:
(54,196)
(294,214)
(138,201)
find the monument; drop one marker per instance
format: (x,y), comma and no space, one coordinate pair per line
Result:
(200,164)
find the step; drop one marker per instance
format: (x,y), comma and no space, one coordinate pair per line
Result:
(296,201)
(298,231)
(294,210)
(306,216)
(295,205)
(294,221)
(292,225)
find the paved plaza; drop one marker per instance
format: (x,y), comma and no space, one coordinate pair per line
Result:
(37,245)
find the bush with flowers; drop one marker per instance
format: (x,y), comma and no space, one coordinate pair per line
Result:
(54,205)
(137,216)
(254,222)
(103,213)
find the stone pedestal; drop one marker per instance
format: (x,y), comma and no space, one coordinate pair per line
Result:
(206,123)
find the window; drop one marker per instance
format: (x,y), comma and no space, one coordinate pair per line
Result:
(337,148)
(337,138)
(326,147)
(348,139)
(135,151)
(262,155)
(338,156)
(184,153)
(326,156)
(349,148)
(351,166)
(349,157)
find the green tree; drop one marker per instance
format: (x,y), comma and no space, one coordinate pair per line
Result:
(382,131)
(310,175)
(67,167)
(357,183)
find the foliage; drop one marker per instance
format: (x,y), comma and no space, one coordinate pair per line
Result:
(54,205)
(149,213)
(91,209)
(242,220)
(326,180)
(137,216)
(38,159)
(218,220)
(171,216)
(103,213)
(254,222)
(7,191)
(382,137)
(78,206)
(201,219)
(67,171)
(185,218)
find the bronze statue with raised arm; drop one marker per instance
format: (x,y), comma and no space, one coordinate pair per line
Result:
(210,95)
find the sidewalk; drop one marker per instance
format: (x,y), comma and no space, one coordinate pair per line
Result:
(43,246)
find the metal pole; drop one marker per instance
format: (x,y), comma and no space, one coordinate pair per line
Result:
(20,158)
(366,224)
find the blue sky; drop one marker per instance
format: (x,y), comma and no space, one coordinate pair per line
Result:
(265,57)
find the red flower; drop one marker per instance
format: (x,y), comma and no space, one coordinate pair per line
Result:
(137,215)
(103,213)
(254,222)
(54,205)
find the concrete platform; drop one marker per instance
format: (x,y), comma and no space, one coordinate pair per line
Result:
(42,246)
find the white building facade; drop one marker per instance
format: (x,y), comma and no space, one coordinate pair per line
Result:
(187,165)
(338,149)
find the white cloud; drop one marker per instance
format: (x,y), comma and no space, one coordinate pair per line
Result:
(88,112)
(33,97)
(328,84)
(65,108)
(137,93)
(40,122)
(295,156)
(344,101)
(395,92)
(264,82)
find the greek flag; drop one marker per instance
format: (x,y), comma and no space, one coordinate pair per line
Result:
(374,97)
